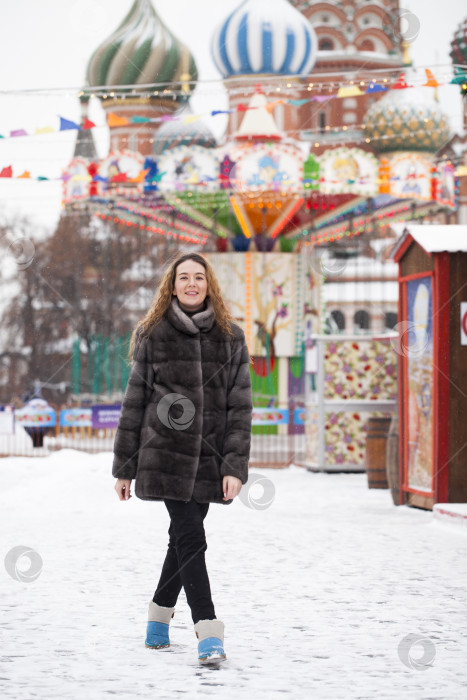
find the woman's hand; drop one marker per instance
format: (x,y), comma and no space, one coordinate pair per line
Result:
(231,486)
(122,487)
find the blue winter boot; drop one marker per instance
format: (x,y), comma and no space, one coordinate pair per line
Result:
(210,635)
(157,636)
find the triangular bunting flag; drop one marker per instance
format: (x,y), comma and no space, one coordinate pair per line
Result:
(25,176)
(430,79)
(374,87)
(42,178)
(298,103)
(401,83)
(18,132)
(460,79)
(323,98)
(66,124)
(44,130)
(241,107)
(271,105)
(6,172)
(221,111)
(349,91)
(88,124)
(190,118)
(114,120)
(140,120)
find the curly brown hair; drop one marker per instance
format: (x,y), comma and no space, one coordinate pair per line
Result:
(164,295)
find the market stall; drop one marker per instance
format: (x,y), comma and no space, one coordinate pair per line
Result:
(432,363)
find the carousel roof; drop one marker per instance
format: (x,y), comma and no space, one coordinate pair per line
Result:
(142,50)
(258,122)
(267,37)
(407,120)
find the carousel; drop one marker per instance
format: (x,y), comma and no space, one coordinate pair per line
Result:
(266,206)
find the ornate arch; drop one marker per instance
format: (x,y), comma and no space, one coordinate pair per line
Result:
(325,7)
(375,9)
(324,32)
(376,34)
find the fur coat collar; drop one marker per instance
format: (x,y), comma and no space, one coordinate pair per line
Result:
(202,321)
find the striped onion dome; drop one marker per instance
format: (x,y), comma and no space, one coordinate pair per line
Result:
(264,37)
(178,133)
(459,44)
(142,50)
(407,120)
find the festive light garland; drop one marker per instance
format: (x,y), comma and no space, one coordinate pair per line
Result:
(144,214)
(169,233)
(318,81)
(352,89)
(347,89)
(340,232)
(314,239)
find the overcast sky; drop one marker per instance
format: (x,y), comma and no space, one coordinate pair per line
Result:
(47,44)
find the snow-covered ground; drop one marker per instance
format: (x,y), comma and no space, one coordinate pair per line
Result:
(324,593)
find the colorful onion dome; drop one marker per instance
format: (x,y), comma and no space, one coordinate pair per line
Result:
(264,37)
(142,51)
(183,133)
(459,44)
(406,120)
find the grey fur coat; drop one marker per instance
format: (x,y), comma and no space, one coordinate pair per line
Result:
(187,410)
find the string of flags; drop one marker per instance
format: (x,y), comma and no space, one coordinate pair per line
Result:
(351,90)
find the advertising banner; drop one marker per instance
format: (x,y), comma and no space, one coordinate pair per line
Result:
(105,416)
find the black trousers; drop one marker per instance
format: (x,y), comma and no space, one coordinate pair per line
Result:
(185,563)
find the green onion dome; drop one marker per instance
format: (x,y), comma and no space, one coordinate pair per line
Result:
(143,51)
(406,120)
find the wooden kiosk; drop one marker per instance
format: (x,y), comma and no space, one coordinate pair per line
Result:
(432,348)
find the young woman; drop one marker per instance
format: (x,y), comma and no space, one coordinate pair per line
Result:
(184,434)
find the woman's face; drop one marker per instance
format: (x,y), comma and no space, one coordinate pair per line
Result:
(191,285)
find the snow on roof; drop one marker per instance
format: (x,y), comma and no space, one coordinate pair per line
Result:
(433,238)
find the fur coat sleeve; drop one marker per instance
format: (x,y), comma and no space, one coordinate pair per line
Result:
(239,412)
(135,400)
